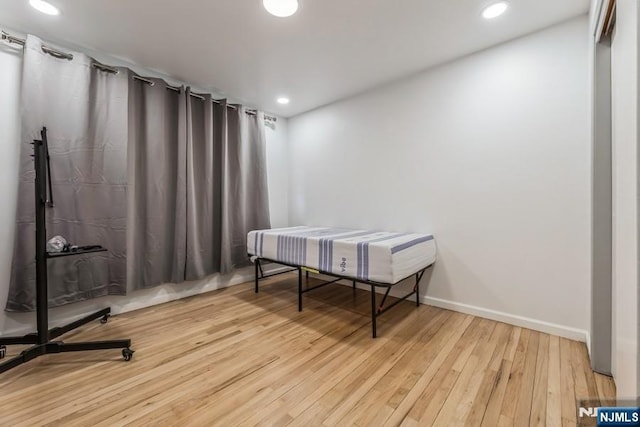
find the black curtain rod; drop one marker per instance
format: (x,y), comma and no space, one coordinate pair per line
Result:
(63,55)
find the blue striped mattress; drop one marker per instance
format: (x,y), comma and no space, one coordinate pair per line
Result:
(377,256)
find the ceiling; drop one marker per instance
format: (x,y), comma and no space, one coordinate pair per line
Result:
(330,49)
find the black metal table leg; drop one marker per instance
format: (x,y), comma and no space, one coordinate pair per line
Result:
(299,289)
(257,268)
(373,312)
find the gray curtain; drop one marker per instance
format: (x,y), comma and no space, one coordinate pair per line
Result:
(226,185)
(84,111)
(206,124)
(158,143)
(245,196)
(187,175)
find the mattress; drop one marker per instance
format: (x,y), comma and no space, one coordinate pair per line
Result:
(377,256)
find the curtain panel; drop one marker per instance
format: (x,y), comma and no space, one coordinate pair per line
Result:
(245,197)
(157,139)
(227,185)
(169,183)
(206,129)
(84,111)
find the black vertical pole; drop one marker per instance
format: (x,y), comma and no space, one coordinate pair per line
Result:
(418,277)
(257,267)
(373,311)
(42,300)
(299,289)
(45,155)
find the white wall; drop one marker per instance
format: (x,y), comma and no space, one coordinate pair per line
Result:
(625,101)
(491,153)
(277,172)
(17,323)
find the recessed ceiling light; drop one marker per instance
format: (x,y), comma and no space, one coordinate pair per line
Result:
(44,7)
(495,10)
(283,100)
(281,8)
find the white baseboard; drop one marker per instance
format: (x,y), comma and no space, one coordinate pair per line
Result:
(512,319)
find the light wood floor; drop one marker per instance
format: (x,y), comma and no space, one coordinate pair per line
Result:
(231,357)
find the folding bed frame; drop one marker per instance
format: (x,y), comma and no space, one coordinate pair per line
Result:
(376,310)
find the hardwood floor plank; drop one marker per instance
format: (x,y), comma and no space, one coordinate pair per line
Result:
(488,381)
(491,415)
(525,395)
(502,367)
(554,388)
(567,383)
(581,359)
(581,385)
(538,415)
(606,388)
(512,392)
(514,340)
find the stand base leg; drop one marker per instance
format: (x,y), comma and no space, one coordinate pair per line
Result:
(62,347)
(11,363)
(52,347)
(103,315)
(27,339)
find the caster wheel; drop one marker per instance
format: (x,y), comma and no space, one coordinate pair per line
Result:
(105,318)
(3,351)
(127,353)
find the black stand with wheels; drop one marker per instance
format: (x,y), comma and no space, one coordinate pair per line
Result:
(42,340)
